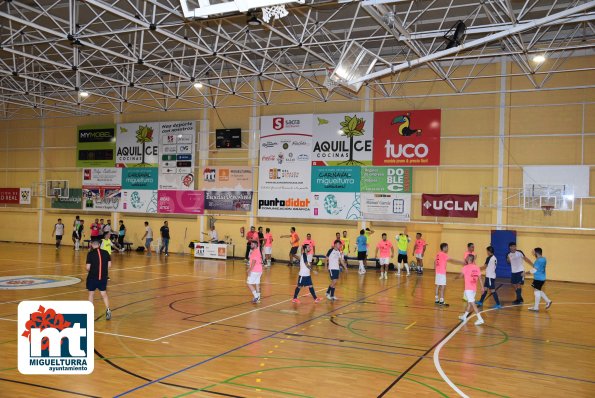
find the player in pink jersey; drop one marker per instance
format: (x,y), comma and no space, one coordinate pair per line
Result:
(268,246)
(387,251)
(472,275)
(470,250)
(254,271)
(419,249)
(311,247)
(440,268)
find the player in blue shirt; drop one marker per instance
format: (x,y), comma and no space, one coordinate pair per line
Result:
(362,251)
(538,272)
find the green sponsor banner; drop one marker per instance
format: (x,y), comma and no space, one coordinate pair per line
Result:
(96,146)
(386,179)
(74,200)
(335,179)
(140,178)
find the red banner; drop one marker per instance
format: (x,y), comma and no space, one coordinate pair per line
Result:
(449,205)
(10,195)
(407,138)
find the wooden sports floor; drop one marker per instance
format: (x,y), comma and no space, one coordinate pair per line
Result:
(185,328)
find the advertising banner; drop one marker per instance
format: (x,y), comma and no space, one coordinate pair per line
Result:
(73,201)
(409,138)
(210,250)
(284,204)
(343,139)
(386,179)
(177,157)
(228,200)
(336,179)
(10,195)
(138,201)
(336,205)
(180,202)
(140,178)
(101,198)
(450,205)
(393,207)
(285,150)
(137,145)
(96,146)
(226,178)
(102,177)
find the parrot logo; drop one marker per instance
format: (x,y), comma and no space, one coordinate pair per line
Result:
(404,128)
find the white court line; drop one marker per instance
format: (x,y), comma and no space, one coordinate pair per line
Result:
(124,335)
(436,355)
(228,318)
(7,319)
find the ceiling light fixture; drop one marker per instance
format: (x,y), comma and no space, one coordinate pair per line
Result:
(252,20)
(84,94)
(538,59)
(198,85)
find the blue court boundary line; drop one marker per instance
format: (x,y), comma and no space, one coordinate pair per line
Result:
(252,342)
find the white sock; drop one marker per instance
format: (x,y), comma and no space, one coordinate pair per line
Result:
(361,263)
(479,318)
(547,300)
(407,267)
(537,298)
(466,314)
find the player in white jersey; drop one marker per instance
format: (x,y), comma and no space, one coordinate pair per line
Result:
(516,259)
(304,278)
(59,232)
(490,280)
(334,262)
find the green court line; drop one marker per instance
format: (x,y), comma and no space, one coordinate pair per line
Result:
(333,365)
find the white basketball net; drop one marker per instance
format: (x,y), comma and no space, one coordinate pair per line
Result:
(276,12)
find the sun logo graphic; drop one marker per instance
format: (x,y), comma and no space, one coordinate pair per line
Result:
(55,337)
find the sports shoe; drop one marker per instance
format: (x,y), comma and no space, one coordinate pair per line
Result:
(397,274)
(121,250)
(548,305)
(479,322)
(443,304)
(297,301)
(533,309)
(479,303)
(462,317)
(386,275)
(108,314)
(408,274)
(318,300)
(257,300)
(328,297)
(166,254)
(334,298)
(517,302)
(497,307)
(436,301)
(381,276)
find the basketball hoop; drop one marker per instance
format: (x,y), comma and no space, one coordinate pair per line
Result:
(547,210)
(329,82)
(276,12)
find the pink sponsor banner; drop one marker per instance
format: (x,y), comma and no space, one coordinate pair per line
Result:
(180,202)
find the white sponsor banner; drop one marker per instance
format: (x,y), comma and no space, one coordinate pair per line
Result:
(210,250)
(138,201)
(176,155)
(380,206)
(137,145)
(284,204)
(102,177)
(101,198)
(25,196)
(285,153)
(335,205)
(343,139)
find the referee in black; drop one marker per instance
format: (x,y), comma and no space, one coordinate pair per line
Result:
(98,262)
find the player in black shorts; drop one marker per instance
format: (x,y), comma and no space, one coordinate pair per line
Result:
(98,263)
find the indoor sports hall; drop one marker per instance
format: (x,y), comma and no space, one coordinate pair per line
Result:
(310,198)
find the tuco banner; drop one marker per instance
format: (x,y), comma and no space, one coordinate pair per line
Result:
(449,205)
(407,138)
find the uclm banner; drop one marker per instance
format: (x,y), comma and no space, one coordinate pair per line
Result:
(407,138)
(450,205)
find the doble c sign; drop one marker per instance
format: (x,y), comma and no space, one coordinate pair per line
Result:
(450,205)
